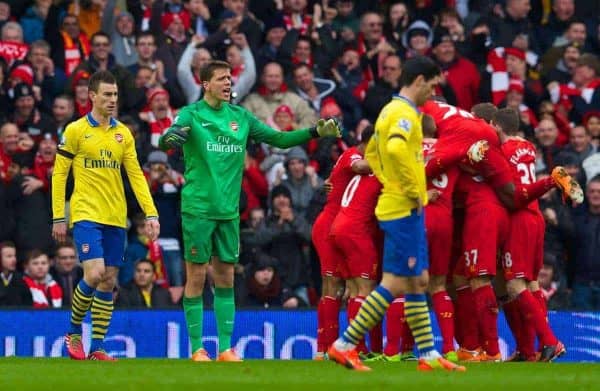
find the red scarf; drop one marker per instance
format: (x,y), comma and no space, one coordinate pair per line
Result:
(43,170)
(562,95)
(156,256)
(159,126)
(236,73)
(297,61)
(262,90)
(83,109)
(44,294)
(306,23)
(73,50)
(147,14)
(12,51)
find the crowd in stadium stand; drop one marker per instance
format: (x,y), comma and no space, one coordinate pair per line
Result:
(293,61)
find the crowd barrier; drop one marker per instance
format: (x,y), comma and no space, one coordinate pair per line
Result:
(259,334)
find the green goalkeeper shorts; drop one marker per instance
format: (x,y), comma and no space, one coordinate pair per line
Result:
(203,238)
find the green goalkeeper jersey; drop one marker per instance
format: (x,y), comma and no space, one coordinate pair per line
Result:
(214,155)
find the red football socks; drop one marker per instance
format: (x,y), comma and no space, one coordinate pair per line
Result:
(327,322)
(394,322)
(531,313)
(487,317)
(466,319)
(444,312)
(354,304)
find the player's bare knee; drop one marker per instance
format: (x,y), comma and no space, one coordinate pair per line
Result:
(436,284)
(95,275)
(480,281)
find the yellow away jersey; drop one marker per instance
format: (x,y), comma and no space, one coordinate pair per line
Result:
(395,155)
(97,155)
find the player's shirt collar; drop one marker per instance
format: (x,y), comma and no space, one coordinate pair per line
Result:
(94,123)
(410,102)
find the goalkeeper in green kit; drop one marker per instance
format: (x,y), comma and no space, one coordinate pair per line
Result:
(213,134)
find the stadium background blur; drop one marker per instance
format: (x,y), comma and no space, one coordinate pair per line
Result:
(293,61)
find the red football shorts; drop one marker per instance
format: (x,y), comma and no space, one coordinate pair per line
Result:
(438,222)
(523,253)
(484,234)
(359,247)
(330,257)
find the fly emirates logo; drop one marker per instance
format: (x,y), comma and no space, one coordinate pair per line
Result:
(224,144)
(105,161)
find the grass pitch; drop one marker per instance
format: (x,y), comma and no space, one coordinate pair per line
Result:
(145,374)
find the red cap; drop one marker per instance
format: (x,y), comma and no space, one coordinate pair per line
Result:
(516,85)
(284,109)
(154,92)
(330,109)
(23,72)
(168,18)
(515,52)
(80,75)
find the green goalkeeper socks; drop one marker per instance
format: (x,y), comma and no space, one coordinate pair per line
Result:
(193,307)
(225,315)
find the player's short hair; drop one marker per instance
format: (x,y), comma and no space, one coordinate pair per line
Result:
(485,111)
(367,133)
(208,70)
(507,119)
(101,77)
(418,66)
(429,126)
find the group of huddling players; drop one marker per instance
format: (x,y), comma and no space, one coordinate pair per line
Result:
(484,230)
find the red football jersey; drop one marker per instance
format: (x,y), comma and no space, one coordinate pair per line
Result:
(444,183)
(450,119)
(521,156)
(359,200)
(340,175)
(475,190)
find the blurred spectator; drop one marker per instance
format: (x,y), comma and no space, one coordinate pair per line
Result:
(264,285)
(559,230)
(43,165)
(301,179)
(381,92)
(158,113)
(511,22)
(580,144)
(121,30)
(586,285)
(45,292)
(552,286)
(283,235)
(66,271)
(200,16)
(145,46)
(34,19)
(396,23)
(188,70)
(254,184)
(273,92)
(515,100)
(89,14)
(346,23)
(243,72)
(417,39)
(9,140)
(63,112)
(5,12)
(591,121)
(562,71)
(348,74)
(83,104)
(13,290)
(312,89)
(275,32)
(562,14)
(373,47)
(296,16)
(141,11)
(49,79)
(244,23)
(102,59)
(12,46)
(574,35)
(316,51)
(546,134)
(142,292)
(27,117)
(69,45)
(460,74)
(165,187)
(250,247)
(451,21)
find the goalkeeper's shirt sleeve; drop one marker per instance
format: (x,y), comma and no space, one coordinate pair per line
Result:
(137,178)
(65,153)
(263,133)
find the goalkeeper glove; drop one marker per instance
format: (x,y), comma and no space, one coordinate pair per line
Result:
(176,136)
(328,127)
